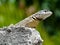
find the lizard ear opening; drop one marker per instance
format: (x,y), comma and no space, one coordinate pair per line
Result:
(34,18)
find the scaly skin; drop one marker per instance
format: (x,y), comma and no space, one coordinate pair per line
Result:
(33,20)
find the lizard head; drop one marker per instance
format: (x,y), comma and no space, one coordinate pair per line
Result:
(43,14)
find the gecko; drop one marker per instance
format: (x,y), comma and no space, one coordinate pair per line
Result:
(33,20)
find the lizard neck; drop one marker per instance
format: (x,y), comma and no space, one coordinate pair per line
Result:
(28,22)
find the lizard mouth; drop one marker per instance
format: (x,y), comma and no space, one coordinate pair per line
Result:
(35,18)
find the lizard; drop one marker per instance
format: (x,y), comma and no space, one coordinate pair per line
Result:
(26,35)
(33,20)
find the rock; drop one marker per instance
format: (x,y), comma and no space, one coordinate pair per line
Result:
(19,36)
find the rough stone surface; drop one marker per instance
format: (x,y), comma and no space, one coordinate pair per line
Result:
(19,36)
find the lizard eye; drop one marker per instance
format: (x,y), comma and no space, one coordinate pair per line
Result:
(45,10)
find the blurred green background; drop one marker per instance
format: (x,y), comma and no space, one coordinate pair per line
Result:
(13,11)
